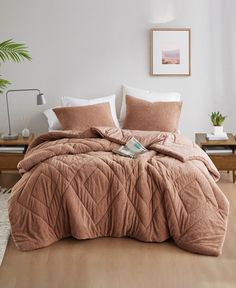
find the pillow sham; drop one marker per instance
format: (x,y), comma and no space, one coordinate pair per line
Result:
(70,101)
(84,117)
(156,116)
(53,122)
(135,92)
(146,95)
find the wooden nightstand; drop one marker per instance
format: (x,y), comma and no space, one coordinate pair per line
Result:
(9,161)
(221,161)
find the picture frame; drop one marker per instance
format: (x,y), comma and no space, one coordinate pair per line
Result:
(171,52)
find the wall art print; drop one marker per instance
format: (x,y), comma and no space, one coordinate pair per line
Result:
(171,52)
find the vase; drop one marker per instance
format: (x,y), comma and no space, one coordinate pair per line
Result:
(25,133)
(218,130)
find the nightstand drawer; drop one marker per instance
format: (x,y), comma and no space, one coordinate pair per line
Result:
(10,161)
(224,162)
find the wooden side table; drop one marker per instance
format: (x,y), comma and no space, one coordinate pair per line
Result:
(222,162)
(9,161)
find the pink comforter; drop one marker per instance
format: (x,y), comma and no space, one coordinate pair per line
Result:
(73,185)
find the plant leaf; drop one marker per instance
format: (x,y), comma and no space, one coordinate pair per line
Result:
(3,85)
(9,50)
(217,119)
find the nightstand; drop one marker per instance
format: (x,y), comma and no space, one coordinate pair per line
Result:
(222,162)
(9,161)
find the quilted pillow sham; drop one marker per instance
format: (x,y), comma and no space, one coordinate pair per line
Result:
(146,95)
(70,102)
(156,116)
(53,122)
(84,117)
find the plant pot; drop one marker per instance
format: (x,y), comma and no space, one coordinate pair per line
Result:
(218,130)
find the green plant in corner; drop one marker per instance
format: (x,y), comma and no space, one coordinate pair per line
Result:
(11,51)
(217,119)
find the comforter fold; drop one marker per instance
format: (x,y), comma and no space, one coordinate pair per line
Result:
(73,185)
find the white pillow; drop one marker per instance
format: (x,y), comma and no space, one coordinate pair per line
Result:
(146,95)
(69,101)
(53,122)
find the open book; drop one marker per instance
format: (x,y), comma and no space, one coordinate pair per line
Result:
(131,149)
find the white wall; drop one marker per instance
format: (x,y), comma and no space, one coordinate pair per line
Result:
(88,48)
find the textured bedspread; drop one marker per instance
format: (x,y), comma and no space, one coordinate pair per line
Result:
(73,185)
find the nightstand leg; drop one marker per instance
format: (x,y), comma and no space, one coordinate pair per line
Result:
(234,176)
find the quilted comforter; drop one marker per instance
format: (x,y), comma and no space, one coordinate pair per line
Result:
(73,185)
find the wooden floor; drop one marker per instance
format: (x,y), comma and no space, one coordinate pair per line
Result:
(122,263)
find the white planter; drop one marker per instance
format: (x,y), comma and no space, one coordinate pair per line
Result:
(218,130)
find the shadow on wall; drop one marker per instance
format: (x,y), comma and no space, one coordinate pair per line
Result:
(164,11)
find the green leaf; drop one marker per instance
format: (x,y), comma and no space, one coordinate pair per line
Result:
(9,50)
(217,119)
(3,85)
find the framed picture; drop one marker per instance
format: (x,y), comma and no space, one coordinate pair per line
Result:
(171,52)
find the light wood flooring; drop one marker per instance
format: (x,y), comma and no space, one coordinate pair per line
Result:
(122,263)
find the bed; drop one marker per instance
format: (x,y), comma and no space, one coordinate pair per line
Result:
(73,185)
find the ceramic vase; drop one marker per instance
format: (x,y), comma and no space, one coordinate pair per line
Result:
(25,132)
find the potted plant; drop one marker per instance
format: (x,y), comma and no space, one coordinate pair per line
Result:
(217,120)
(9,50)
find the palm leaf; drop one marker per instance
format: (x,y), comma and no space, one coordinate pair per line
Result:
(3,84)
(9,50)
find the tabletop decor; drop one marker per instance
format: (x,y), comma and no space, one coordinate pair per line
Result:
(40,101)
(217,121)
(171,52)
